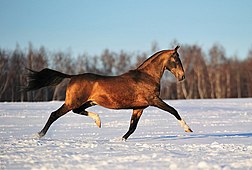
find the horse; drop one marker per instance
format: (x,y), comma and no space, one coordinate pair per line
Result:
(136,89)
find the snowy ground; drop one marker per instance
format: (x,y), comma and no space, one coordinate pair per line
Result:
(222,137)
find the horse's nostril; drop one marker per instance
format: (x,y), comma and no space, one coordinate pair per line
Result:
(183,77)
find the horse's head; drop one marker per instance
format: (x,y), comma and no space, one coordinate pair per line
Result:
(174,64)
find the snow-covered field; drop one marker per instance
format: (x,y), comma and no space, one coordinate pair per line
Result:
(222,137)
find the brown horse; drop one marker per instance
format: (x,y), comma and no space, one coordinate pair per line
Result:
(136,89)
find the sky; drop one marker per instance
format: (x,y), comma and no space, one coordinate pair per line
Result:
(90,26)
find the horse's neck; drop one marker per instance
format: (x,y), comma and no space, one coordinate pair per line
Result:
(153,67)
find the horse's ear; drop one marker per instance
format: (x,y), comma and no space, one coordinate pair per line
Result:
(176,48)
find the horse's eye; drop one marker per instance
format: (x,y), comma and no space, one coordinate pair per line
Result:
(173,64)
(176,59)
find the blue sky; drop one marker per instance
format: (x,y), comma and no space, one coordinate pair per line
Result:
(129,25)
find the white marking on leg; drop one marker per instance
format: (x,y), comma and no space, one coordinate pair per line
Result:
(185,126)
(95,117)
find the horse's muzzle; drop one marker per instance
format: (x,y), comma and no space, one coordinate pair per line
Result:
(182,78)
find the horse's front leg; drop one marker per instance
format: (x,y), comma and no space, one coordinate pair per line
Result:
(133,122)
(162,105)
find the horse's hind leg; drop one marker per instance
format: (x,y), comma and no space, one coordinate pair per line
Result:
(133,122)
(81,110)
(92,115)
(53,117)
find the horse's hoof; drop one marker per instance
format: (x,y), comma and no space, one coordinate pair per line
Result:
(124,139)
(188,130)
(98,123)
(40,135)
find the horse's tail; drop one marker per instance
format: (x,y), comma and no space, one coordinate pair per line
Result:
(43,78)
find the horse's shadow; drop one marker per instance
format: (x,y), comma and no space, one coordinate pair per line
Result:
(196,136)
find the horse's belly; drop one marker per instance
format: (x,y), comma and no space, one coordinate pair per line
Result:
(120,99)
(121,104)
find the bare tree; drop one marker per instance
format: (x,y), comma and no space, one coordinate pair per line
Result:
(196,83)
(16,74)
(247,66)
(4,68)
(122,63)
(108,61)
(216,71)
(82,63)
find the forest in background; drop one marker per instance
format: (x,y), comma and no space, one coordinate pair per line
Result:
(209,74)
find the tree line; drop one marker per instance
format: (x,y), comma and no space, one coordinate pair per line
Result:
(209,74)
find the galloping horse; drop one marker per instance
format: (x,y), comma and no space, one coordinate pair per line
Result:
(136,89)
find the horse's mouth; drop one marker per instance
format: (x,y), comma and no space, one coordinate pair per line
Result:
(181,78)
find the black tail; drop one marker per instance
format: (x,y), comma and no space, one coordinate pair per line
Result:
(43,78)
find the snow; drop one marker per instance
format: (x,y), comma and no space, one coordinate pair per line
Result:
(222,137)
